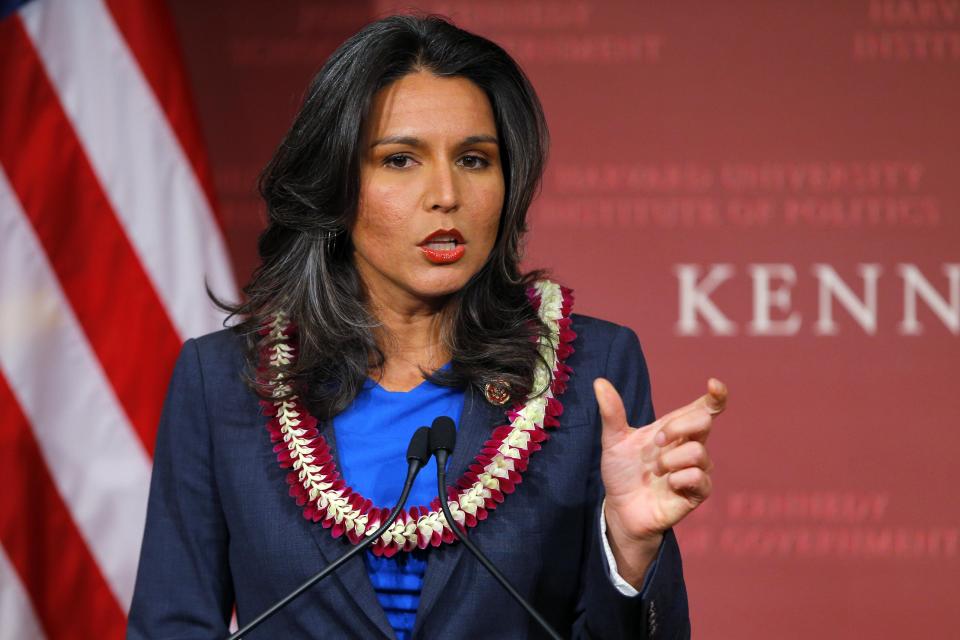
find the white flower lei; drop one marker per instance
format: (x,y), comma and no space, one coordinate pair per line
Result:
(315,482)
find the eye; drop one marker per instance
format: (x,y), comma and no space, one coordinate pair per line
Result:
(397,161)
(475,162)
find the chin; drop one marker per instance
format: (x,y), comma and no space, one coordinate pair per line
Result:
(443,281)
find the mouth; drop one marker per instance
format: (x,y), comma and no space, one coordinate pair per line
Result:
(443,246)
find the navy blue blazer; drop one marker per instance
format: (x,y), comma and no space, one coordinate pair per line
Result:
(222,530)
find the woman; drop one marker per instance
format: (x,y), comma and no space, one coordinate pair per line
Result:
(390,293)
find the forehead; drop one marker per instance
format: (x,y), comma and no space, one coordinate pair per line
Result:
(426,105)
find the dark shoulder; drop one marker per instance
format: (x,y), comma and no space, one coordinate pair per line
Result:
(219,360)
(613,351)
(223,340)
(599,333)
(598,341)
(220,353)
(595,327)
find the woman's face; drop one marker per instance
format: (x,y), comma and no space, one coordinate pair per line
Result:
(431,189)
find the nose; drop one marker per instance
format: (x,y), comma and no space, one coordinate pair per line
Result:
(442,190)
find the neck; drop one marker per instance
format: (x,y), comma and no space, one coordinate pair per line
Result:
(410,334)
(412,338)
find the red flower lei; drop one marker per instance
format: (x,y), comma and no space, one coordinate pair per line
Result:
(315,482)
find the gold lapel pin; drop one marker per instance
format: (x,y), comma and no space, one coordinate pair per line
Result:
(497,392)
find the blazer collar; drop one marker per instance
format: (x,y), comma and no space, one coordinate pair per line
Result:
(354,583)
(477,422)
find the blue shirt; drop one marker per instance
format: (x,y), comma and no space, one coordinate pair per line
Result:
(372,435)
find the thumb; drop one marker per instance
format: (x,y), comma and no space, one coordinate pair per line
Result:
(715,400)
(612,413)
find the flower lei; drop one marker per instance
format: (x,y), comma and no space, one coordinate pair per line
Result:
(315,482)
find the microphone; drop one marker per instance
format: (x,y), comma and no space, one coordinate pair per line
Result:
(418,454)
(443,438)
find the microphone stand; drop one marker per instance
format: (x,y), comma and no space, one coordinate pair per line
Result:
(417,456)
(442,438)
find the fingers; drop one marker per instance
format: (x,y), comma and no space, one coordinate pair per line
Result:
(692,481)
(694,421)
(693,425)
(687,455)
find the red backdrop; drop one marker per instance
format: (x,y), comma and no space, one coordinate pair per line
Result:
(767,193)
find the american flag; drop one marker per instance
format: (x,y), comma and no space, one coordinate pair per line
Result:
(108,233)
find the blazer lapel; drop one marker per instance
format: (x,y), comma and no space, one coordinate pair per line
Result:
(477,421)
(354,582)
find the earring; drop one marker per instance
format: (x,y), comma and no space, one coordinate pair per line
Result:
(330,241)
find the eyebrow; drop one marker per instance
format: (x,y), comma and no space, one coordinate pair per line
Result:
(417,142)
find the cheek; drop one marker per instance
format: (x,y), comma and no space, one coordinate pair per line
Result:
(488,220)
(380,217)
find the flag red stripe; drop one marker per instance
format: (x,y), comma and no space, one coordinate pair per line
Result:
(69,594)
(113,298)
(148,29)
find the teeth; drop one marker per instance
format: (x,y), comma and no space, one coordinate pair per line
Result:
(442,245)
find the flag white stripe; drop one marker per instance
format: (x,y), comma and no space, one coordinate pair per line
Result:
(93,454)
(136,156)
(20,621)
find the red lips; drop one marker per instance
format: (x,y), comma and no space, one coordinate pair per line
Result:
(443,246)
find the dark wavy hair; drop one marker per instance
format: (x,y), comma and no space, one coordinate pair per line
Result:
(311,188)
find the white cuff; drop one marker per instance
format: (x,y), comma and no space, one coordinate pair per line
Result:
(622,585)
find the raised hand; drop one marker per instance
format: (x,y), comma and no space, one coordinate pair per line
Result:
(655,475)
